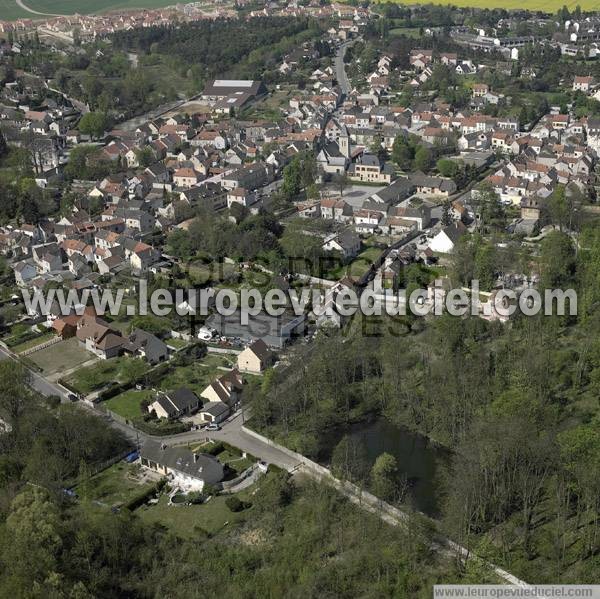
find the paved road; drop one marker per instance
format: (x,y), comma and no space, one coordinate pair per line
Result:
(231,432)
(35,12)
(38,382)
(340,70)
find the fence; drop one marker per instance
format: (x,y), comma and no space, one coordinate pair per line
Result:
(41,346)
(222,350)
(297,457)
(228,484)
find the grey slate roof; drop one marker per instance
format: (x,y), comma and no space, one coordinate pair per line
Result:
(205,467)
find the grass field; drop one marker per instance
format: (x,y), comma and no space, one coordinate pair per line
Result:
(9,9)
(33,342)
(550,6)
(359,266)
(198,375)
(111,487)
(127,404)
(60,357)
(120,370)
(211,517)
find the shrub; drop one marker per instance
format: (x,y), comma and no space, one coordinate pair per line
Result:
(196,497)
(215,448)
(234,504)
(53,401)
(142,498)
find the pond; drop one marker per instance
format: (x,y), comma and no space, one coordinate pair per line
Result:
(420,462)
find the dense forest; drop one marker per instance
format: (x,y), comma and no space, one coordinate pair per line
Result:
(201,44)
(517,405)
(172,62)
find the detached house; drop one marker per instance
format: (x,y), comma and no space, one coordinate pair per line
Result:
(173,404)
(143,256)
(97,337)
(186,469)
(186,178)
(226,389)
(583,84)
(445,241)
(255,358)
(146,345)
(369,169)
(347,243)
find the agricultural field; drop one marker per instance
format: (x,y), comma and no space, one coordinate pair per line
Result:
(551,6)
(10,10)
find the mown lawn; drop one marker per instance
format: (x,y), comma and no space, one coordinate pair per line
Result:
(176,343)
(210,517)
(127,404)
(197,375)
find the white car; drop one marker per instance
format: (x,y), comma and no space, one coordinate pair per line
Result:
(205,334)
(213,426)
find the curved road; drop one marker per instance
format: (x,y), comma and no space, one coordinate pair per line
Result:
(35,12)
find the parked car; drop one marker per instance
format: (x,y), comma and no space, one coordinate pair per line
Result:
(206,334)
(213,426)
(72,397)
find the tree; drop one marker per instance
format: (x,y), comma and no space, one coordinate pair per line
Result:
(422,159)
(384,477)
(14,393)
(178,243)
(446,216)
(402,152)
(93,124)
(298,175)
(558,207)
(488,210)
(448,168)
(485,266)
(33,530)
(348,460)
(557,261)
(145,157)
(341,180)
(3,146)
(377,148)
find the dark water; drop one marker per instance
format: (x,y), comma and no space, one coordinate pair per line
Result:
(420,463)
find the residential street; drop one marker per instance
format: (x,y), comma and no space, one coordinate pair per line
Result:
(38,382)
(340,71)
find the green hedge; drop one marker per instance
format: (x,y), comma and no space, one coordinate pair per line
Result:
(164,428)
(15,340)
(141,498)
